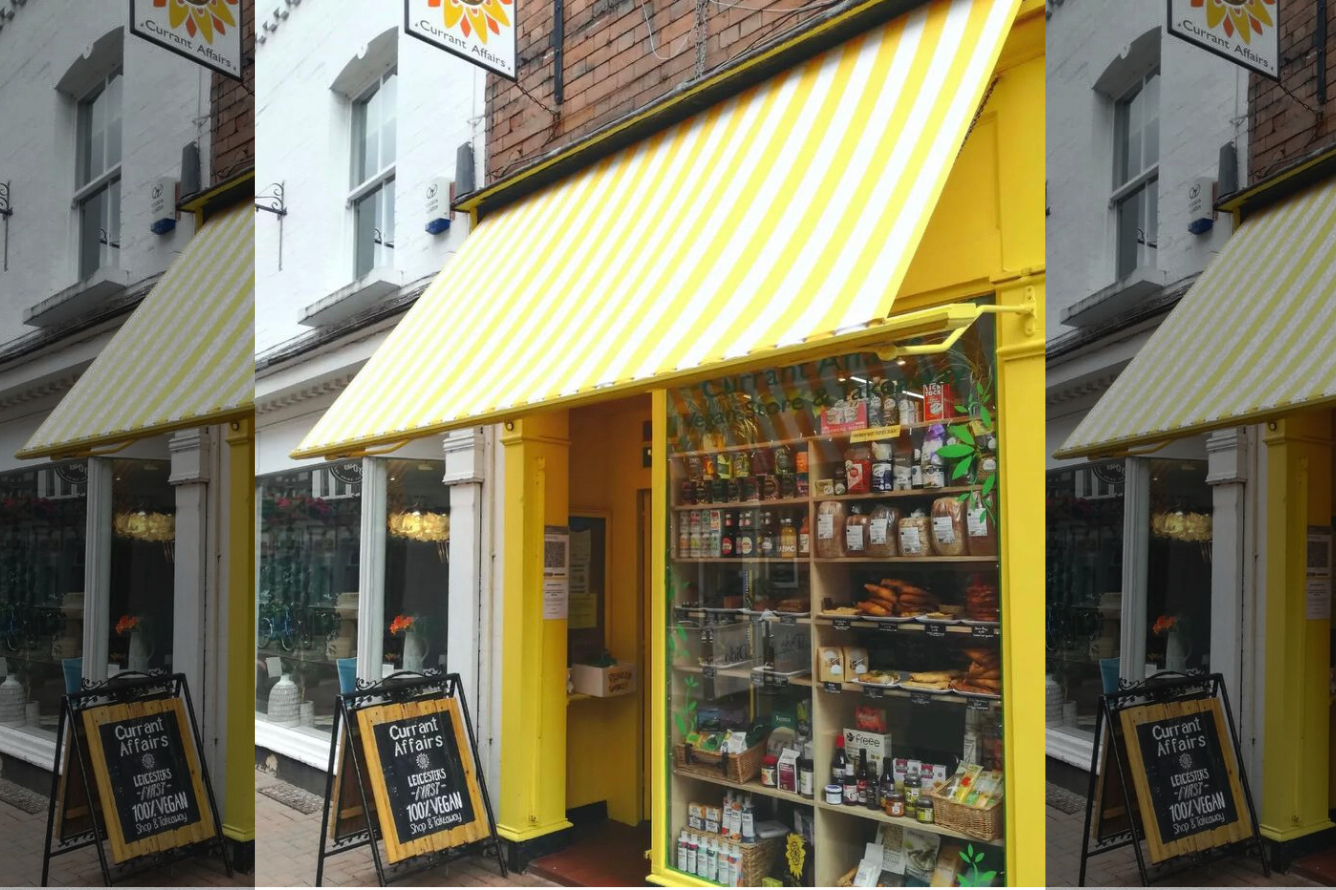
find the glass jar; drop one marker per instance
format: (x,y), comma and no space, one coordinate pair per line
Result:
(924,811)
(894,804)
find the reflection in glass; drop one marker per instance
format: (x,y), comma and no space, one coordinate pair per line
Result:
(43,521)
(310,545)
(416,565)
(143,579)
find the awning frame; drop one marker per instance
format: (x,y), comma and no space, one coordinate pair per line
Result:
(953,319)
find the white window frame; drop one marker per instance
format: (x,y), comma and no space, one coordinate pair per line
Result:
(100,183)
(378,185)
(1138,182)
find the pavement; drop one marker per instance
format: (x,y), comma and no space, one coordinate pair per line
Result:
(1119,868)
(287,840)
(23,836)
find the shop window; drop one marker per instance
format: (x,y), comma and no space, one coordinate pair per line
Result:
(417,554)
(1084,581)
(143,557)
(98,179)
(834,575)
(373,164)
(1178,567)
(43,522)
(1136,164)
(307,589)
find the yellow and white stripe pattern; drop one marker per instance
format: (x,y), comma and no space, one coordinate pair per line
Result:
(184,358)
(1249,341)
(784,215)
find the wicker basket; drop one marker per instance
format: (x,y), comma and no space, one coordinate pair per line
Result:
(759,858)
(983,823)
(740,768)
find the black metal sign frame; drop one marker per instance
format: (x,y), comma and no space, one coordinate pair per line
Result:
(1162,688)
(398,688)
(125,688)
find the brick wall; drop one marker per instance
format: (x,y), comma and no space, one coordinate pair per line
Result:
(232,127)
(1281,129)
(611,66)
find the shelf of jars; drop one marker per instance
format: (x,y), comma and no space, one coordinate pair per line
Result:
(876,551)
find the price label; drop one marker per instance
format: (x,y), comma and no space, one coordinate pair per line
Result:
(833,688)
(983,632)
(777,680)
(888,626)
(707,672)
(978,704)
(873,692)
(788,619)
(920,698)
(757,680)
(840,623)
(935,630)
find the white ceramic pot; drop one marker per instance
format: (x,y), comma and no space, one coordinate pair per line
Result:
(285,702)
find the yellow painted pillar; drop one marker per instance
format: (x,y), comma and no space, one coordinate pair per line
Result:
(239,657)
(532,799)
(1018,98)
(1020,369)
(1293,791)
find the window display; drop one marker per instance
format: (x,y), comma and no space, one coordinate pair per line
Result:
(43,529)
(1084,563)
(417,552)
(143,571)
(310,544)
(1178,570)
(834,621)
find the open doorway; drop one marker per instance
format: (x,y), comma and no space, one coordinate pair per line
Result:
(607,762)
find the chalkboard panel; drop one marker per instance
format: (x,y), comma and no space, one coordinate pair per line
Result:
(146,768)
(1186,777)
(422,777)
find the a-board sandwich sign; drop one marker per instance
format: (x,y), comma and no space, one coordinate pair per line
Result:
(1185,776)
(146,770)
(422,776)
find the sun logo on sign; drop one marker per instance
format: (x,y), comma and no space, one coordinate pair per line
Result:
(202,17)
(472,16)
(1247,17)
(1185,761)
(148,761)
(423,761)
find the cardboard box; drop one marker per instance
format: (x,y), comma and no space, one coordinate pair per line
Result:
(877,745)
(604,682)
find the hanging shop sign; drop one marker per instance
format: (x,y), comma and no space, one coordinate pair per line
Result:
(133,775)
(208,32)
(1174,756)
(481,31)
(1247,32)
(409,762)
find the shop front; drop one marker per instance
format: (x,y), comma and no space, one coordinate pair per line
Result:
(116,549)
(1264,391)
(766,473)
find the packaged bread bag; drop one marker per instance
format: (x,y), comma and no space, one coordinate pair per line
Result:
(948,527)
(981,530)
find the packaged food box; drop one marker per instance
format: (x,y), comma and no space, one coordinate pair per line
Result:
(831,664)
(877,745)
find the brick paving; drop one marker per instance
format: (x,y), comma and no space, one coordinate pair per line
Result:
(1119,869)
(22,836)
(287,840)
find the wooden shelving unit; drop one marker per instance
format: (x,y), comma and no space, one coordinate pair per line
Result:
(841,831)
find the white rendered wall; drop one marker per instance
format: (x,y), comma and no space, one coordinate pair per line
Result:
(1203,103)
(165,106)
(303,137)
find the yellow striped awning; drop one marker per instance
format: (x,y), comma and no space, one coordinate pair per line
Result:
(785,215)
(184,358)
(1249,341)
